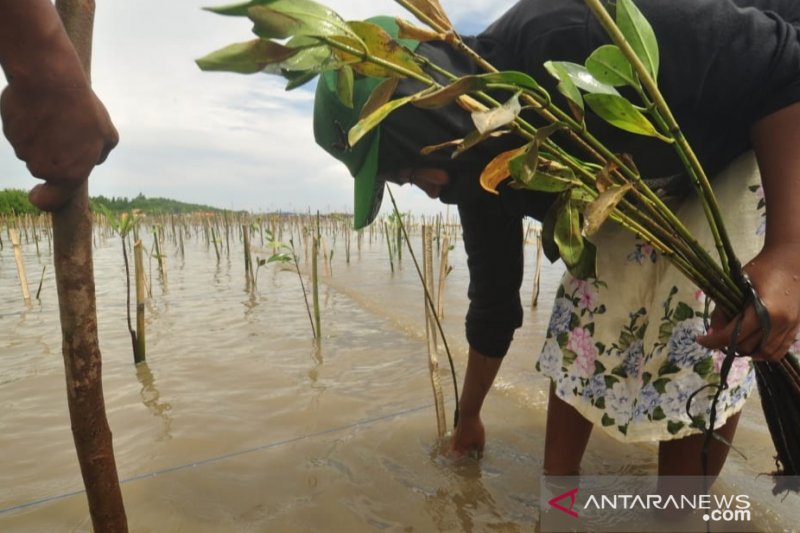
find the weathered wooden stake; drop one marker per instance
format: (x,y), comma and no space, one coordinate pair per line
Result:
(538,273)
(248,260)
(139,347)
(72,253)
(13,234)
(430,330)
(315,281)
(443,271)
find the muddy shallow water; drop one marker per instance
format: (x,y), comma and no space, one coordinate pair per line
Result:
(238,423)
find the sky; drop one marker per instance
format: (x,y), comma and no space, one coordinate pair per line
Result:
(227,140)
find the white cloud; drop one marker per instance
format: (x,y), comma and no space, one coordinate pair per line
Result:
(227,140)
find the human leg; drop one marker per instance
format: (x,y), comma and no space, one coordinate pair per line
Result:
(681,457)
(566,437)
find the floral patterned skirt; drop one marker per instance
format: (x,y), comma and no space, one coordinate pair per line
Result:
(620,348)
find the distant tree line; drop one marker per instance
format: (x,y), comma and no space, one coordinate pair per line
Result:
(15,202)
(148,205)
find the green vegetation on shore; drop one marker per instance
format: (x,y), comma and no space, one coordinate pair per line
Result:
(15,202)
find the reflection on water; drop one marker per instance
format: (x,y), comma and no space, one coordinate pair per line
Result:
(239,421)
(151,398)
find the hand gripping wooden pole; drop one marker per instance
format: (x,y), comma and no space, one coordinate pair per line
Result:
(72,247)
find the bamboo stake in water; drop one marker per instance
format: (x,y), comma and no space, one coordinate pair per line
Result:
(538,272)
(23,278)
(444,269)
(158,233)
(139,346)
(248,260)
(427,269)
(214,240)
(430,332)
(389,244)
(315,282)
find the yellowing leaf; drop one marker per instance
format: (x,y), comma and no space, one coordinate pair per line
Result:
(410,31)
(497,170)
(366,124)
(599,210)
(379,44)
(380,95)
(433,10)
(449,93)
(246,58)
(344,86)
(468,103)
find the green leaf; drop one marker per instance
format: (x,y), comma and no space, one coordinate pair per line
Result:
(246,58)
(618,112)
(609,65)
(658,413)
(279,258)
(379,44)
(639,34)
(549,246)
(567,87)
(344,86)
(607,420)
(582,78)
(368,123)
(286,18)
(298,78)
(586,267)
(567,233)
(548,176)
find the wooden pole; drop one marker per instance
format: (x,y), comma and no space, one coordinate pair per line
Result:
(315,282)
(248,259)
(72,255)
(13,234)
(139,349)
(538,273)
(444,252)
(430,330)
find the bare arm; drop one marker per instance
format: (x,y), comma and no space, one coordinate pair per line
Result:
(469,434)
(50,115)
(775,271)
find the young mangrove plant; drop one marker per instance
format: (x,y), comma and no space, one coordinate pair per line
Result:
(123,224)
(283,253)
